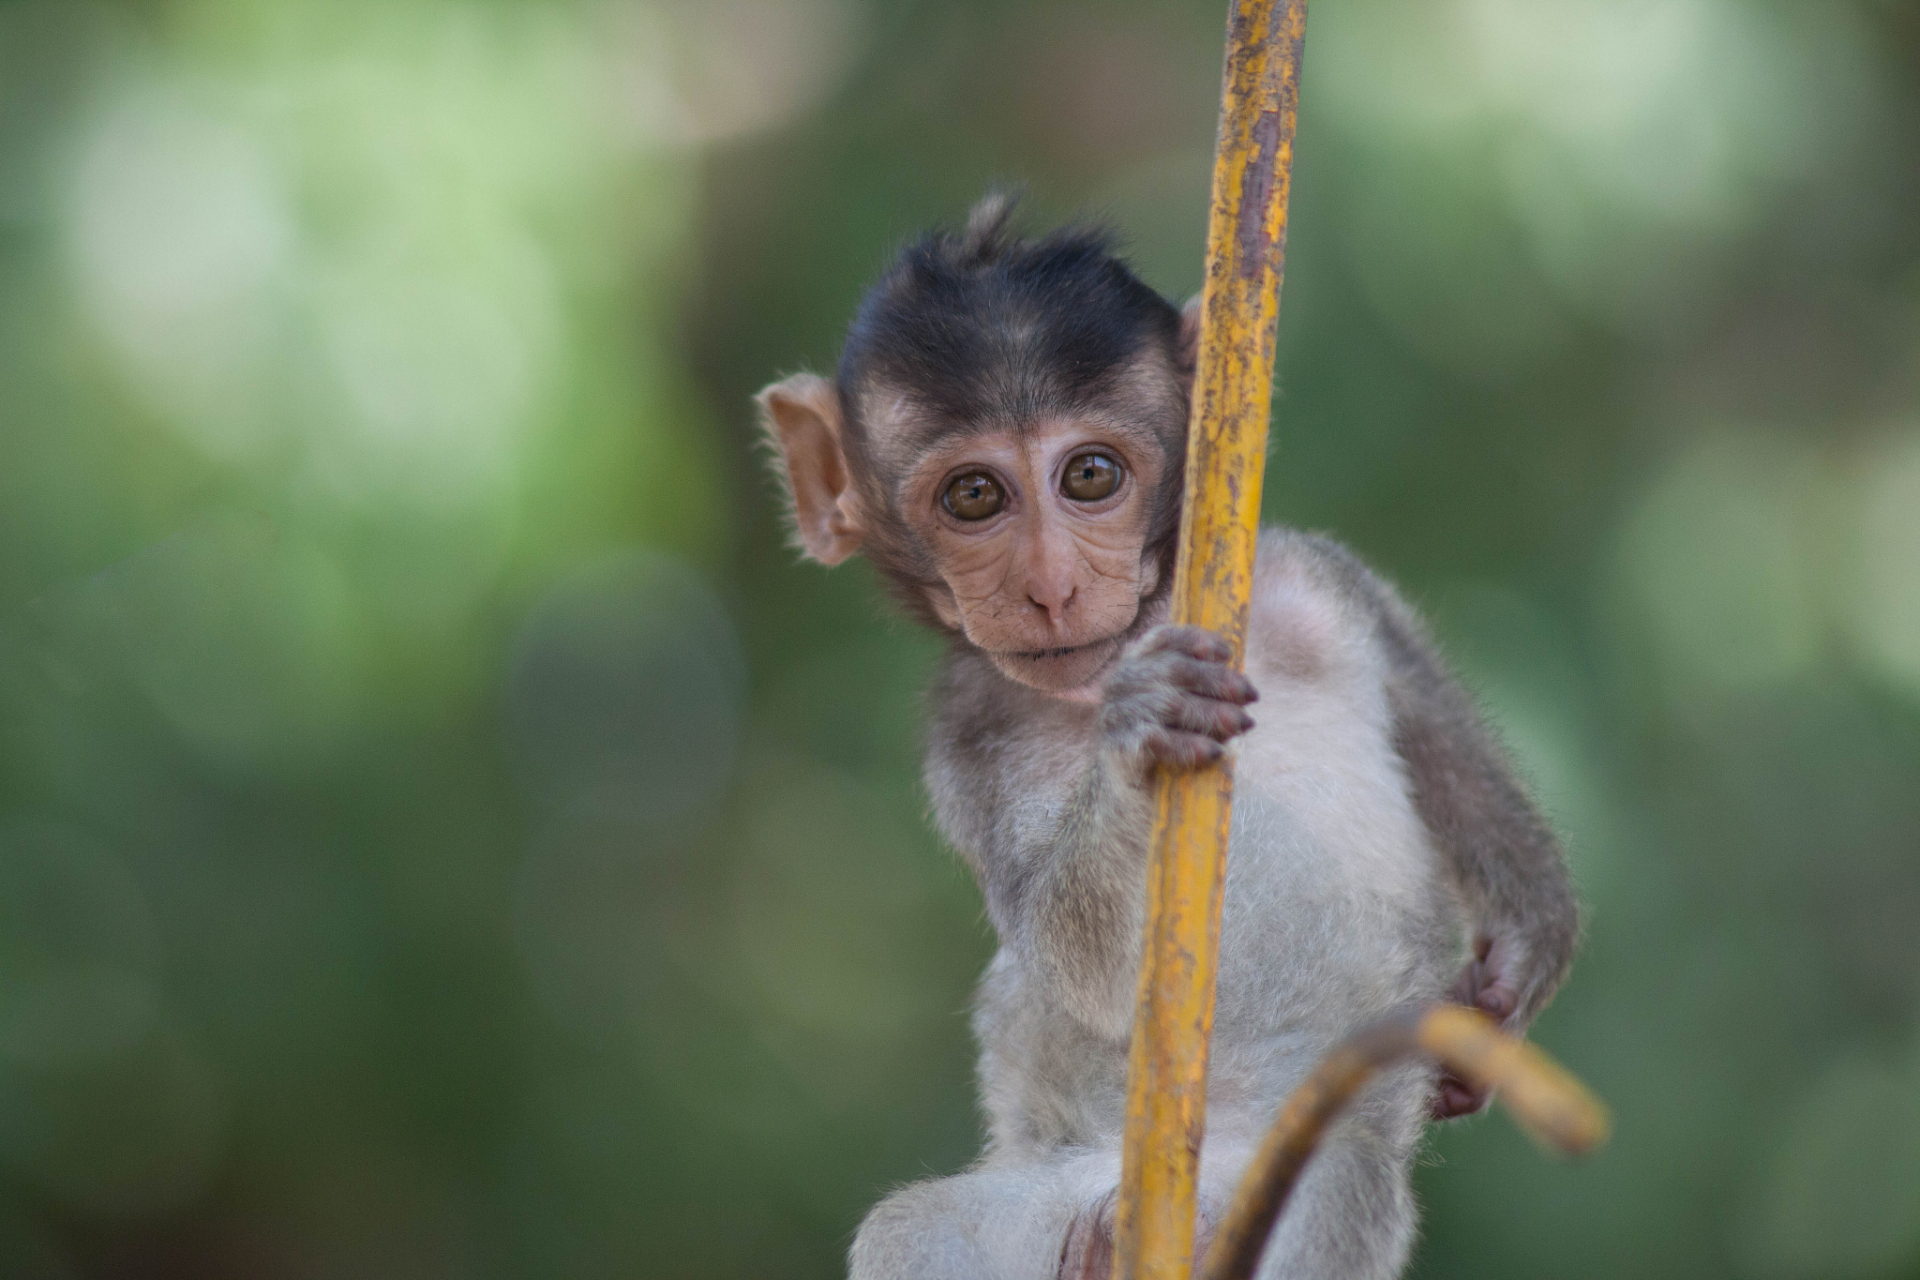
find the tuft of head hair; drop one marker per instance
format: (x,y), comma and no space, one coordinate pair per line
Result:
(988,223)
(984,324)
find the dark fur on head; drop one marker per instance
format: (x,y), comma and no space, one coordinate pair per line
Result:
(983,327)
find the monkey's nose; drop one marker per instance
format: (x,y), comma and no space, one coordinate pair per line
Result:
(1049,569)
(1052,599)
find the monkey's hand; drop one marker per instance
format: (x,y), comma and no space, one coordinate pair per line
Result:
(1484,985)
(1175,699)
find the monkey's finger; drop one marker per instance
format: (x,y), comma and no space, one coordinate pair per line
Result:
(1182,750)
(1219,720)
(1497,1000)
(1195,642)
(1211,679)
(1454,1097)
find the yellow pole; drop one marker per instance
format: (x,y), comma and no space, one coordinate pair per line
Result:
(1226,456)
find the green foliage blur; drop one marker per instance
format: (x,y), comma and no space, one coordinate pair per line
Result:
(443,831)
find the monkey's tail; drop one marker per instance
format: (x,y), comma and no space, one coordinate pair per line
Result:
(1550,1104)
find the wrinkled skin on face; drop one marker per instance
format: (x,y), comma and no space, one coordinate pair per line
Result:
(1032,538)
(1049,585)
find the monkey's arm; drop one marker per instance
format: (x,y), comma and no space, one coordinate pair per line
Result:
(1499,849)
(1503,854)
(1076,923)
(1053,811)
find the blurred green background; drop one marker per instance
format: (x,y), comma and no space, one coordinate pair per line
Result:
(443,833)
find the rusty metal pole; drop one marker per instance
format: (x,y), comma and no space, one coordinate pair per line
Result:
(1226,458)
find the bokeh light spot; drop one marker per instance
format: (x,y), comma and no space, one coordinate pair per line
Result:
(1883,611)
(1714,564)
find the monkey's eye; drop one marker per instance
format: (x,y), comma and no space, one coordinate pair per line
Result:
(1090,477)
(973,497)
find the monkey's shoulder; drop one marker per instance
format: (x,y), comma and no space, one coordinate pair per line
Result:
(1319,615)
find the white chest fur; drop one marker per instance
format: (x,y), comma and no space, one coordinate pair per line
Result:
(1333,898)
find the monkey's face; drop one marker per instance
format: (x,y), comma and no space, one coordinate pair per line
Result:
(1036,539)
(1037,536)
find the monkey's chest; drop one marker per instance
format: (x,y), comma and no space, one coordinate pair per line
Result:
(1335,909)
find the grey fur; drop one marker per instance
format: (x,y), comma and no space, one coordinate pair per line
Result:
(988,223)
(1378,828)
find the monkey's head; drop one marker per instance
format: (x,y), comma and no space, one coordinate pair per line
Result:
(1005,440)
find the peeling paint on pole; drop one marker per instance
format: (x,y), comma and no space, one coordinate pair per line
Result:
(1212,587)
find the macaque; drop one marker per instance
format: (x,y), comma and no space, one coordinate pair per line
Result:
(1005,439)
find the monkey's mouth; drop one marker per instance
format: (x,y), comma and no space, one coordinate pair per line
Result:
(1069,671)
(1060,653)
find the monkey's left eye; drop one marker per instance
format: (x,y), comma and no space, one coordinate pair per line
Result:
(1090,477)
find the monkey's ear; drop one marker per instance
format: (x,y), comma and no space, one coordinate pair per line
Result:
(1187,359)
(802,417)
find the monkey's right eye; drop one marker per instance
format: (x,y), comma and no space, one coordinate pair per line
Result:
(973,497)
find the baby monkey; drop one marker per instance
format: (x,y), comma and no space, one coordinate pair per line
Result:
(1005,440)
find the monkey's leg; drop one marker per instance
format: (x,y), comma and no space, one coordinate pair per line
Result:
(1006,1223)
(1352,1213)
(1352,1216)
